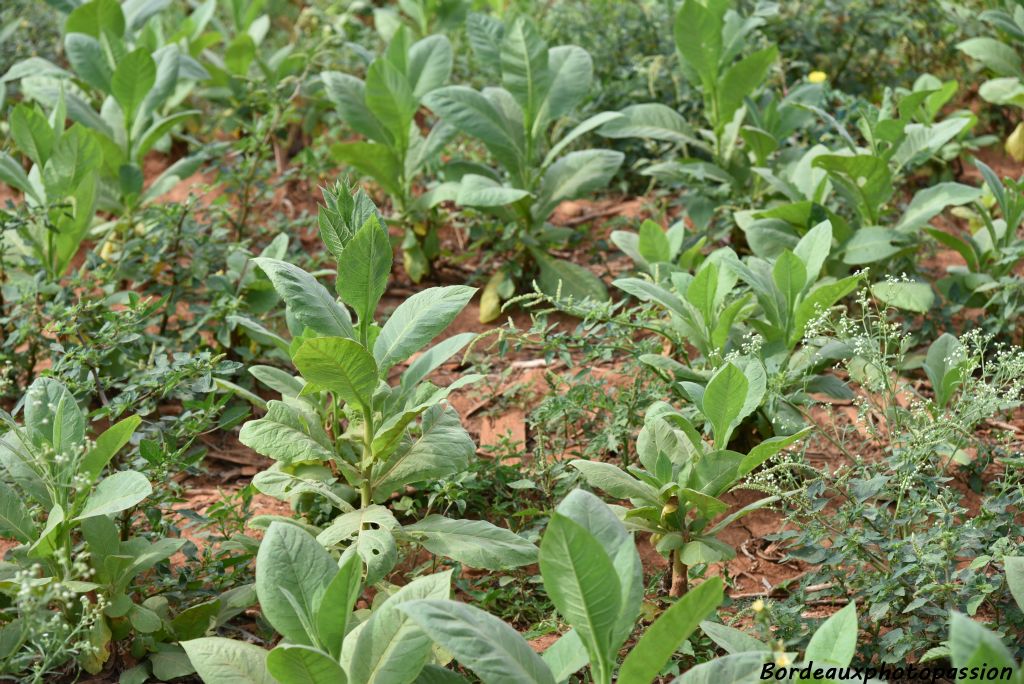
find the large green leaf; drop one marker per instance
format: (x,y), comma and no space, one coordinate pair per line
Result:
(929,202)
(433,358)
(107,445)
(89,60)
(13,175)
(348,94)
(15,521)
(376,160)
(116,493)
(309,301)
(418,320)
(480,191)
(287,434)
(909,296)
(524,66)
(741,80)
(340,365)
(495,652)
(475,115)
(485,33)
(994,54)
(297,664)
(572,72)
(442,448)
(584,586)
(723,402)
(52,416)
(698,35)
(573,176)
(430,64)
(226,661)
(390,98)
(133,78)
(366,263)
(345,528)
(292,573)
(337,603)
(835,641)
(476,543)
(652,120)
(95,18)
(614,481)
(740,668)
(1014,567)
(668,633)
(390,648)
(75,157)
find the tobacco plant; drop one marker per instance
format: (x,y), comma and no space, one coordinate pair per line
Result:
(592,572)
(310,598)
(341,433)
(514,121)
(710,39)
(991,250)
(709,309)
(137,85)
(60,188)
(676,489)
(383,108)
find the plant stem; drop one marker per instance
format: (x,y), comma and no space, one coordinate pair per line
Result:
(680,577)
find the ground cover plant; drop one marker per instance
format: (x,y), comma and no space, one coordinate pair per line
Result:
(457,340)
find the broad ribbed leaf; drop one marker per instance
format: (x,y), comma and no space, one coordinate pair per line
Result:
(572,72)
(668,633)
(573,176)
(476,543)
(653,120)
(475,115)
(116,493)
(291,560)
(563,278)
(495,652)
(309,301)
(376,160)
(835,641)
(52,416)
(611,479)
(294,664)
(583,584)
(227,661)
(366,264)
(442,448)
(133,78)
(340,365)
(15,521)
(391,648)
(108,444)
(417,321)
(348,94)
(287,434)
(88,60)
(524,66)
(430,64)
(390,98)
(723,401)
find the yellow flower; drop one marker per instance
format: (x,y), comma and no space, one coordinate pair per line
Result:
(782,660)
(817,77)
(758,606)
